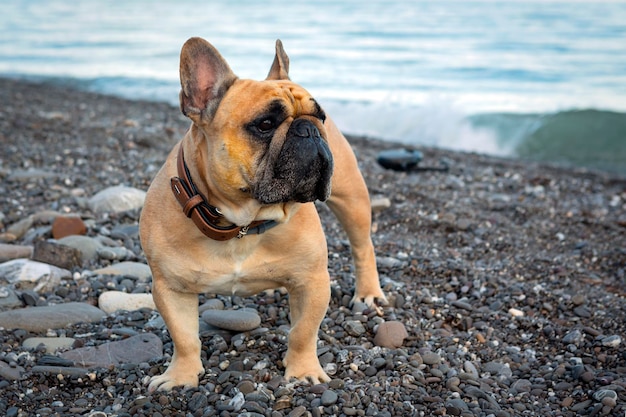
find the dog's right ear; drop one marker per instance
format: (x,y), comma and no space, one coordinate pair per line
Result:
(204,78)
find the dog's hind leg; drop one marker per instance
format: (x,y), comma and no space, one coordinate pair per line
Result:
(350,202)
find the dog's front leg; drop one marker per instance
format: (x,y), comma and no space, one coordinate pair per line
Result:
(180,313)
(307,304)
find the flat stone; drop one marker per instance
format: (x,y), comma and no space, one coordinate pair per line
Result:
(39,319)
(30,174)
(9,252)
(59,370)
(134,350)
(57,254)
(117,199)
(11,373)
(63,226)
(235,320)
(33,275)
(51,343)
(133,269)
(390,334)
(87,246)
(112,301)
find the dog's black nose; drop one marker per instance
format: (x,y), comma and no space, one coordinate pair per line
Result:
(304,128)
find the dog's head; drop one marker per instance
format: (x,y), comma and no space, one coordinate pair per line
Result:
(267,138)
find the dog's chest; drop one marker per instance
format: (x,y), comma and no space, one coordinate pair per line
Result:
(240,273)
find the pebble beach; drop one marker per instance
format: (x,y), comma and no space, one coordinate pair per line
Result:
(506,282)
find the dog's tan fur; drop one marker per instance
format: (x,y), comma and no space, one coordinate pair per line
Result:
(184,262)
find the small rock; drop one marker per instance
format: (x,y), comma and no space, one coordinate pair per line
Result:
(51,343)
(9,252)
(211,304)
(235,320)
(112,301)
(57,254)
(354,328)
(9,372)
(117,199)
(575,337)
(390,334)
(38,319)
(601,394)
(197,402)
(87,246)
(131,269)
(8,299)
(380,204)
(63,226)
(611,341)
(32,274)
(19,229)
(431,358)
(329,397)
(515,312)
(582,311)
(389,262)
(520,386)
(135,349)
(30,174)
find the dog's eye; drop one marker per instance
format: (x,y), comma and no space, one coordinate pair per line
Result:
(266,125)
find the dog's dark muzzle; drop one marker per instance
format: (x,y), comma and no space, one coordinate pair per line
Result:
(302,170)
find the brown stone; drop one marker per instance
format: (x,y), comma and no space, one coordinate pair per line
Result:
(390,334)
(68,225)
(57,254)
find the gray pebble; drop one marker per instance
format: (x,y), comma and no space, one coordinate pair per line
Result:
(235,320)
(354,328)
(329,397)
(612,341)
(431,358)
(575,337)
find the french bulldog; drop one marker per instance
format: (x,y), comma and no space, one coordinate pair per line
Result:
(232,209)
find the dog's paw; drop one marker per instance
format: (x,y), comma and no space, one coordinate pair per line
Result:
(371,299)
(312,374)
(174,378)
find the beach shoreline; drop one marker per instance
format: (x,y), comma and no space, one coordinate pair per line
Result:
(508,275)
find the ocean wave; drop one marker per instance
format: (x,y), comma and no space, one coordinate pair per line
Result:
(588,138)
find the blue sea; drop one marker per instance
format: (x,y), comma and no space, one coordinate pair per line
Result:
(532,79)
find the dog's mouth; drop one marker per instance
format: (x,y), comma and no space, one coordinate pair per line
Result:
(301,171)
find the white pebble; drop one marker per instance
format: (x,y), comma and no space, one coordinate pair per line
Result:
(515,312)
(112,301)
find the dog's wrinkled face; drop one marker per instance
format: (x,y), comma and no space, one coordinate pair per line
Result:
(273,130)
(267,138)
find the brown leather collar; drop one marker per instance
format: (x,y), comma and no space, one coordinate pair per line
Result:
(205,216)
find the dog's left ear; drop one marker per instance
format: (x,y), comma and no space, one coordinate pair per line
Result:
(280,66)
(204,77)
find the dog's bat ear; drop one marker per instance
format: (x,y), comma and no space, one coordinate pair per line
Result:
(204,77)
(280,66)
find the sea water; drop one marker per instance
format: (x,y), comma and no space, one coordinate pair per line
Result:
(536,79)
